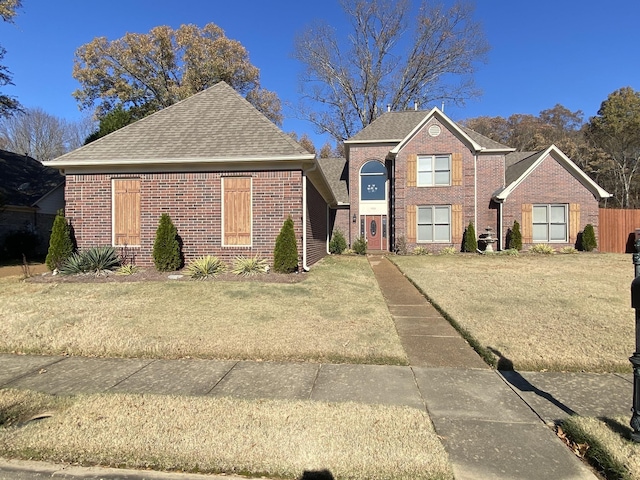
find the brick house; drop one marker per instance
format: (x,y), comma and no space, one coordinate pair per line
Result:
(226,175)
(420,176)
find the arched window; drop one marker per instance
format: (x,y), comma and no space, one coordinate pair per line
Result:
(373,179)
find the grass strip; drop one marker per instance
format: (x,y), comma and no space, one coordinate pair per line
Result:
(220,435)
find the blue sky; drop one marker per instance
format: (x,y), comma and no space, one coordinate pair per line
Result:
(546,52)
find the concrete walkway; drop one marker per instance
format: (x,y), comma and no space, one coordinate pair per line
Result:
(494,425)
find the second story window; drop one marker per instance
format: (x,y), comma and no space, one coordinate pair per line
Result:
(434,170)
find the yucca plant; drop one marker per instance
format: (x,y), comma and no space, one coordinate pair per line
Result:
(568,250)
(205,267)
(96,260)
(542,249)
(73,265)
(420,250)
(448,251)
(127,269)
(249,266)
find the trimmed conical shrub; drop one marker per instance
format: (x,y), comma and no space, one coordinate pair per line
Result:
(60,243)
(470,242)
(589,242)
(515,241)
(285,253)
(167,256)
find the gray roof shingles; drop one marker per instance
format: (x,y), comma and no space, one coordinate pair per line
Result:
(336,171)
(24,179)
(214,123)
(517,163)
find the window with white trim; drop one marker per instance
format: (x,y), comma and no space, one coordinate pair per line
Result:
(434,170)
(434,223)
(549,223)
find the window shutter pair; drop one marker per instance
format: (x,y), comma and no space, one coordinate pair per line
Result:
(456,169)
(527,222)
(457,227)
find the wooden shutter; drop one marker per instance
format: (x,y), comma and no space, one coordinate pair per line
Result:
(456,169)
(237,211)
(126,212)
(574,221)
(411,224)
(457,227)
(412,170)
(527,223)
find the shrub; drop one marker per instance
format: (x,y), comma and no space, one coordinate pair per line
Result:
(448,251)
(285,253)
(167,256)
(359,246)
(568,250)
(337,244)
(249,266)
(509,252)
(19,244)
(96,260)
(469,240)
(419,250)
(401,246)
(127,269)
(515,237)
(60,243)
(542,249)
(589,242)
(205,267)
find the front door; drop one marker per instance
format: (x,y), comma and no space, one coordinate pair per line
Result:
(375,232)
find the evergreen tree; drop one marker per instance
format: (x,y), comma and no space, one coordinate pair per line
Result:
(285,254)
(338,244)
(60,243)
(470,242)
(589,242)
(515,241)
(167,256)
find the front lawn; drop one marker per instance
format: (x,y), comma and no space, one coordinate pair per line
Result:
(336,314)
(536,312)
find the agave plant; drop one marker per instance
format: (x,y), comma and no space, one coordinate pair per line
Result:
(205,267)
(249,266)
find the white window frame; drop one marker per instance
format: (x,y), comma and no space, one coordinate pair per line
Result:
(549,223)
(432,170)
(433,223)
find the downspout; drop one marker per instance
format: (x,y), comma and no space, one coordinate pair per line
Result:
(500,226)
(328,214)
(475,191)
(305,267)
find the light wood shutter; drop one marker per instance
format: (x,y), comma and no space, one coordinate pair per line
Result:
(574,221)
(237,211)
(126,212)
(527,223)
(456,169)
(457,227)
(411,224)
(412,169)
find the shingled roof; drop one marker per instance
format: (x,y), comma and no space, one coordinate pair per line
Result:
(336,172)
(25,180)
(216,123)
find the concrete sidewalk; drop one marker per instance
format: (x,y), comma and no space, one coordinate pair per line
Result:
(494,425)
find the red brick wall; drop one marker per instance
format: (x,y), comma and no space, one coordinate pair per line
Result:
(340,219)
(193,202)
(551,183)
(316,225)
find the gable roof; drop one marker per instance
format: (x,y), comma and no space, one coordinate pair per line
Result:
(400,127)
(25,180)
(521,164)
(336,173)
(216,124)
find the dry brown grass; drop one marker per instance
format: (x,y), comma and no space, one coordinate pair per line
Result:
(272,438)
(336,314)
(559,312)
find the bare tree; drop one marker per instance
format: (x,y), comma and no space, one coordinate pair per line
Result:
(40,135)
(391,57)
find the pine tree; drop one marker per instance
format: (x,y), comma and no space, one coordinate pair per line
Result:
(589,242)
(285,253)
(167,256)
(516,237)
(470,242)
(60,243)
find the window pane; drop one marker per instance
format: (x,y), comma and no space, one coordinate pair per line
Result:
(442,215)
(424,164)
(441,233)
(424,233)
(425,178)
(442,162)
(558,232)
(424,215)
(372,187)
(540,233)
(443,178)
(373,167)
(558,214)
(539,214)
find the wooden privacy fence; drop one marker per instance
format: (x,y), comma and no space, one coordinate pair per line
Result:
(616,230)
